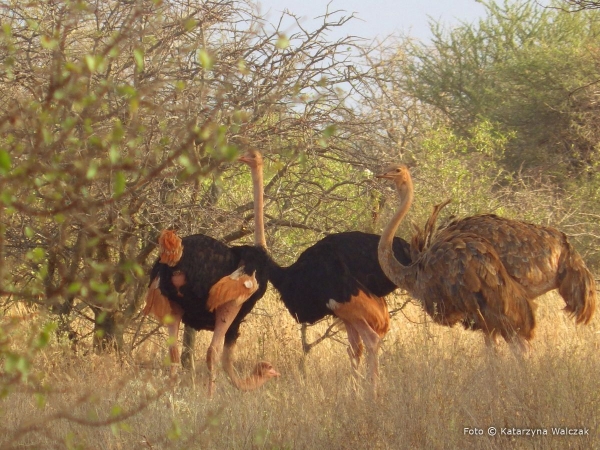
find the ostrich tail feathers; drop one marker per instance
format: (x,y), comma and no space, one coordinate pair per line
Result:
(578,288)
(171,248)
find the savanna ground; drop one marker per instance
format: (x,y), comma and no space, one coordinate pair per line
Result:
(435,382)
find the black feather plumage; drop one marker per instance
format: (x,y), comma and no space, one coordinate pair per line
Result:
(334,268)
(204,262)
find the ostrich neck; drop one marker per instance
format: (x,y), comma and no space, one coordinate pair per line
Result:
(400,275)
(277,274)
(259,219)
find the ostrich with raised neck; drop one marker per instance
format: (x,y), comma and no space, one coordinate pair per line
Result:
(458,278)
(207,285)
(339,275)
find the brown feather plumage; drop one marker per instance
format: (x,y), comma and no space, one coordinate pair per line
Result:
(158,305)
(539,258)
(458,276)
(364,307)
(171,248)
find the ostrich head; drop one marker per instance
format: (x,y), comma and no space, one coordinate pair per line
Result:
(400,175)
(265,370)
(252,158)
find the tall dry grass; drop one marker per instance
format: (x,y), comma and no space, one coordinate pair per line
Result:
(435,382)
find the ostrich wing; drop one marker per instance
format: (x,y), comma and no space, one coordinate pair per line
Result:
(358,251)
(529,252)
(461,276)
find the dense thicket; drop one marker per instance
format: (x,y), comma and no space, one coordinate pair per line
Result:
(116,119)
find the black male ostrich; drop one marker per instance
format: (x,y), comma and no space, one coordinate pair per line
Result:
(339,275)
(209,286)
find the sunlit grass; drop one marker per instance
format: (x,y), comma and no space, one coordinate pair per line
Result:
(435,382)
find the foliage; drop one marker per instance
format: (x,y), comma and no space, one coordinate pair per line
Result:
(117,118)
(531,70)
(521,83)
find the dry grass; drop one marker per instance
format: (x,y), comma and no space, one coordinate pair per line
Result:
(435,382)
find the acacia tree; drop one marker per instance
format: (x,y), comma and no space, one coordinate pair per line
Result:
(530,70)
(116,119)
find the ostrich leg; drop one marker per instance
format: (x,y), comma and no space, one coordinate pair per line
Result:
(224,317)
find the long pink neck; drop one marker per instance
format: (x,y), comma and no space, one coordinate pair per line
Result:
(259,218)
(400,275)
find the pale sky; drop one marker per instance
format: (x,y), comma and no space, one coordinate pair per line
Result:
(381,17)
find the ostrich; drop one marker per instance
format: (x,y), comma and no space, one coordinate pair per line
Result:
(459,277)
(339,276)
(539,258)
(209,286)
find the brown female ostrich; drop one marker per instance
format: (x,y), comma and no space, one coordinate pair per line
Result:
(340,276)
(459,277)
(209,286)
(539,258)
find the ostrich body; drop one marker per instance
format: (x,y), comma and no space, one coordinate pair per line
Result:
(320,283)
(458,277)
(339,276)
(209,286)
(539,258)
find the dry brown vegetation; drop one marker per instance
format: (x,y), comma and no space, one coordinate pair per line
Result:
(435,382)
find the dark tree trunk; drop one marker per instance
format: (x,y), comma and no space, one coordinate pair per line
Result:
(108,331)
(187,353)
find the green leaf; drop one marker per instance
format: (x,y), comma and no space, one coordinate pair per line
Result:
(101,317)
(92,170)
(114,154)
(100,287)
(175,432)
(206,61)
(283,42)
(29,233)
(184,160)
(138,55)
(116,411)
(119,184)
(42,340)
(4,162)
(15,363)
(74,287)
(91,63)
(36,255)
(242,67)
(40,400)
(190,24)
(329,131)
(7,198)
(48,43)
(230,152)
